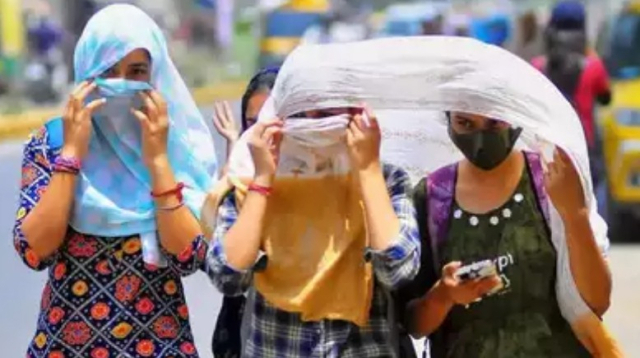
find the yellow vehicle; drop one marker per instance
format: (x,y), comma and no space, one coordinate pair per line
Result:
(12,38)
(283,28)
(619,46)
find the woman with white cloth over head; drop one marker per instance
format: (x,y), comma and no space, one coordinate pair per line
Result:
(507,182)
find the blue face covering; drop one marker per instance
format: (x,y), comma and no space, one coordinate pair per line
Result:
(113,193)
(122,95)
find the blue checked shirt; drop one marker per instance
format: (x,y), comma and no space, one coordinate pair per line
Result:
(275,333)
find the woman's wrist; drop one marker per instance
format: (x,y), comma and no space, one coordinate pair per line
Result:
(371,171)
(441,295)
(263,180)
(371,180)
(574,216)
(162,177)
(70,151)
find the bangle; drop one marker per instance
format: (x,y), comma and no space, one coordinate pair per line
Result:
(177,191)
(262,190)
(172,208)
(64,169)
(67,165)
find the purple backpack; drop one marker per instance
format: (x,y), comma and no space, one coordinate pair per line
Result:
(440,193)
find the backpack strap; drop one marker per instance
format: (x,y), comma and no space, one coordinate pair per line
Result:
(440,193)
(534,161)
(55,133)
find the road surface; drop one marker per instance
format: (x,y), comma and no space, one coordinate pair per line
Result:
(20,288)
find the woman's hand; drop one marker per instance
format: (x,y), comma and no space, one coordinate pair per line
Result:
(224,122)
(154,120)
(467,292)
(364,141)
(264,145)
(563,185)
(77,120)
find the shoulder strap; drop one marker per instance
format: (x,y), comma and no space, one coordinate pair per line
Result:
(534,161)
(55,133)
(440,192)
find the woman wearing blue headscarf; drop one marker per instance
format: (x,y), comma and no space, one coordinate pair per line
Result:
(110,199)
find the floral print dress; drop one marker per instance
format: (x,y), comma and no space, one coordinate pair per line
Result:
(101,300)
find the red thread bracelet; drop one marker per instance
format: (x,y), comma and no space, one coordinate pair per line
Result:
(177,191)
(263,190)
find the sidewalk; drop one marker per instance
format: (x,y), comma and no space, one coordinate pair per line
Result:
(20,125)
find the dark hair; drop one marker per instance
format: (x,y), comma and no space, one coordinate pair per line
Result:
(568,15)
(262,81)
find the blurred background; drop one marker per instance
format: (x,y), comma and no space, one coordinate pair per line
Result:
(217,46)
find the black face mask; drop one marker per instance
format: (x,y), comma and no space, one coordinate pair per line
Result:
(488,148)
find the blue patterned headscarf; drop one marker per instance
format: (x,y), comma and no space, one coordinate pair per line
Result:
(113,196)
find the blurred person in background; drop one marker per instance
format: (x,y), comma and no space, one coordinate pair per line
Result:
(433,25)
(110,197)
(577,72)
(76,16)
(457,24)
(342,24)
(494,29)
(529,38)
(227,341)
(45,71)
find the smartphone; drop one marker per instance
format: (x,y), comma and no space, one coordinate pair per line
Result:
(480,270)
(477,270)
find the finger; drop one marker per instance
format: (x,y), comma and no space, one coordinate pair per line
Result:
(219,117)
(149,106)
(270,123)
(76,99)
(552,168)
(260,127)
(359,122)
(558,159)
(372,119)
(488,284)
(450,269)
(86,90)
(356,130)
(350,136)
(217,110)
(216,123)
(228,112)
(270,132)
(141,116)
(277,140)
(68,112)
(156,97)
(95,104)
(80,87)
